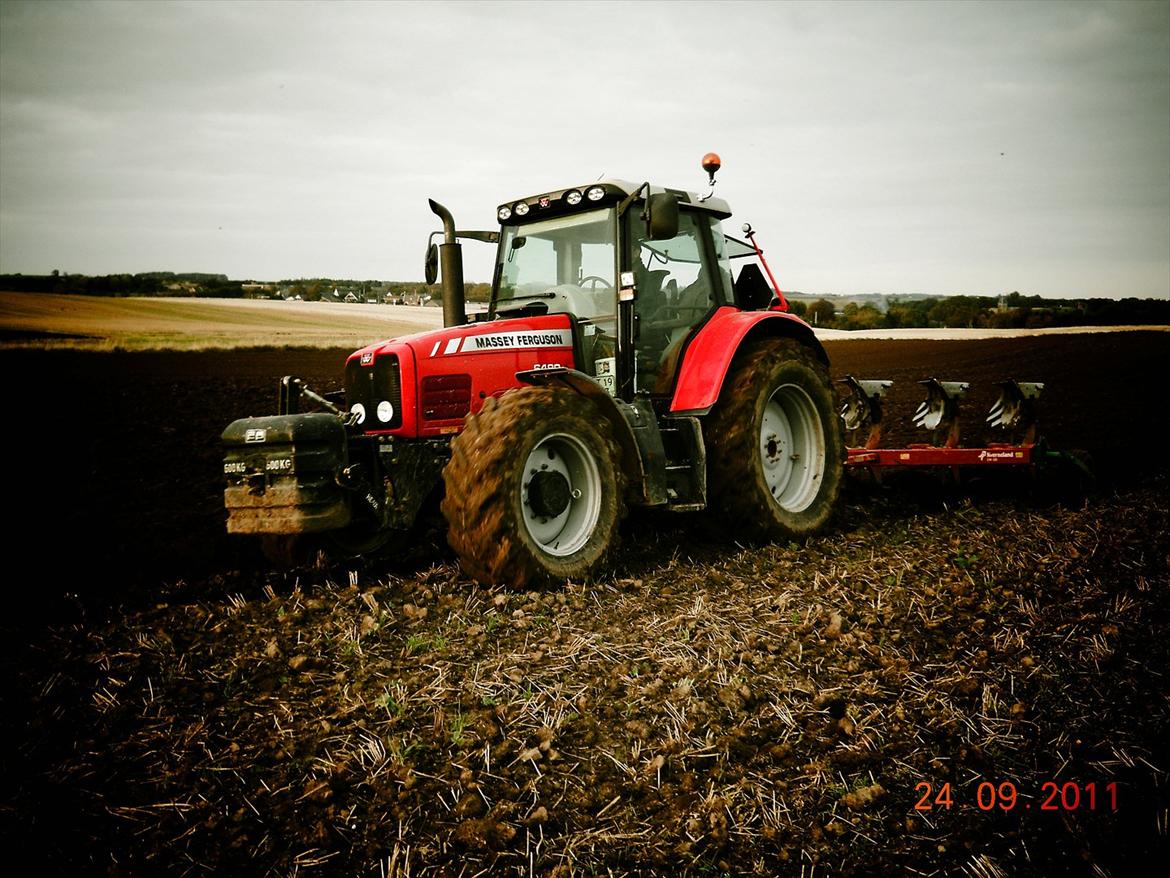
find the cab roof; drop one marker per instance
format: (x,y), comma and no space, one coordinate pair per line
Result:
(596,194)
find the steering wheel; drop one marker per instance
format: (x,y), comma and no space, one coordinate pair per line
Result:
(595,279)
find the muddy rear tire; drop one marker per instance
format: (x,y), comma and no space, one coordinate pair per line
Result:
(775,443)
(533,489)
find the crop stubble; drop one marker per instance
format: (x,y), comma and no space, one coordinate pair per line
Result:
(704,708)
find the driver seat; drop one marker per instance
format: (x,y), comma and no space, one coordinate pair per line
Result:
(651,297)
(693,304)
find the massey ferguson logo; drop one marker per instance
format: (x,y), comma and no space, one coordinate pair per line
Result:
(544,201)
(517,340)
(367,359)
(494,341)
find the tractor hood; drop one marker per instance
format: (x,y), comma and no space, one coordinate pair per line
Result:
(429,381)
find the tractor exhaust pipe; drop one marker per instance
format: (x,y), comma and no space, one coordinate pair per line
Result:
(451,260)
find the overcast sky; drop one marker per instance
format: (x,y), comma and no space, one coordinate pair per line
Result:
(901,147)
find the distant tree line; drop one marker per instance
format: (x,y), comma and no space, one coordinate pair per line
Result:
(168,283)
(983,312)
(1014,311)
(149,283)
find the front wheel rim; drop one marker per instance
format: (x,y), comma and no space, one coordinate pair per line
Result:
(564,532)
(792,448)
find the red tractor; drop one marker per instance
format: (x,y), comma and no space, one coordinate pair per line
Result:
(617,364)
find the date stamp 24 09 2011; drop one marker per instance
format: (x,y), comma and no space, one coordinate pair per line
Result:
(1005,796)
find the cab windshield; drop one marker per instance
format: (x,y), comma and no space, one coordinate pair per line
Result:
(559,257)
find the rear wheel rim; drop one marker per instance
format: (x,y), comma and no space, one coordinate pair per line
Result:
(792,448)
(566,532)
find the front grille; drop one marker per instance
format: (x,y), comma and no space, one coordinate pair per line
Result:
(446,397)
(373,386)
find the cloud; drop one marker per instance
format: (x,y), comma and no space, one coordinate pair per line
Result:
(891,147)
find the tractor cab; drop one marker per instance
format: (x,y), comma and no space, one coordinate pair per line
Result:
(636,268)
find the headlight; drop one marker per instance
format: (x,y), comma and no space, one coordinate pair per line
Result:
(504,213)
(385,411)
(359,410)
(595,193)
(573,197)
(521,208)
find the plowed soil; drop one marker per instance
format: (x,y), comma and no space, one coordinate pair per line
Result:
(950,681)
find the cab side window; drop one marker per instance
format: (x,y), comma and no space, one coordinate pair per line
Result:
(674,293)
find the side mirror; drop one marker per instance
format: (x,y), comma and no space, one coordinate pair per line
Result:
(663,216)
(431,269)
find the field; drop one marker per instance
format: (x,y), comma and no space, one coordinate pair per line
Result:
(33,320)
(703,708)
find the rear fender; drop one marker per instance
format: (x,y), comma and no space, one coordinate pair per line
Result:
(709,355)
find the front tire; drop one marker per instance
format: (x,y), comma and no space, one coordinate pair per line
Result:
(533,490)
(775,444)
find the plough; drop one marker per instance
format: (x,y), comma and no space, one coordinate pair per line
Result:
(1014,413)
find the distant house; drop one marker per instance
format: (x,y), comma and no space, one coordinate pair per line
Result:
(350,297)
(259,291)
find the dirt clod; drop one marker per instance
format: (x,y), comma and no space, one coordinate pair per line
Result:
(863,797)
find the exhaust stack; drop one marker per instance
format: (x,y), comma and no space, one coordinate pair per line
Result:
(451,262)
